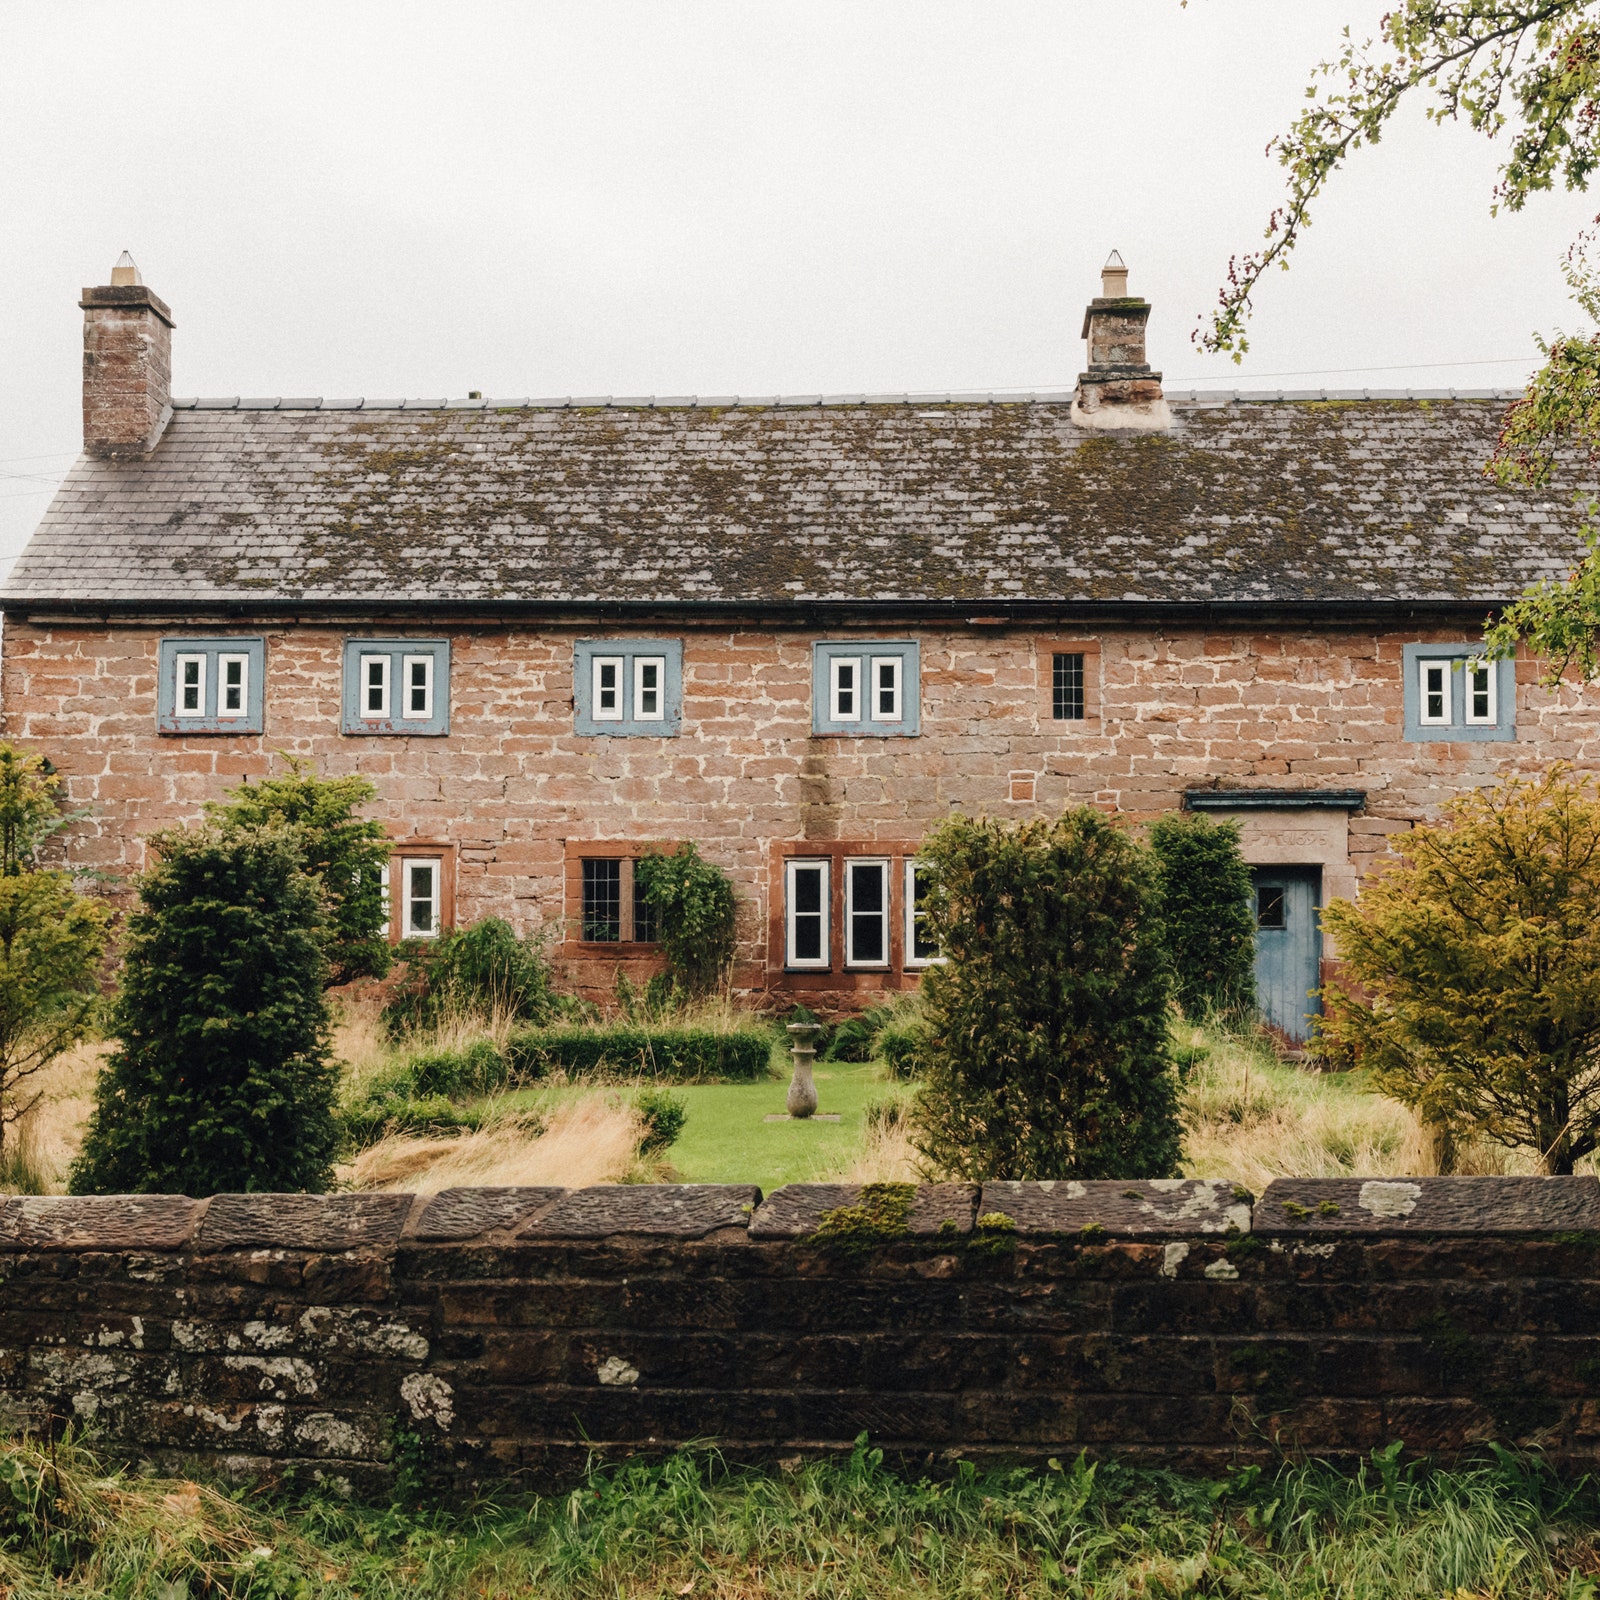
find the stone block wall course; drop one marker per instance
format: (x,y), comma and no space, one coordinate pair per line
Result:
(511,1332)
(512,786)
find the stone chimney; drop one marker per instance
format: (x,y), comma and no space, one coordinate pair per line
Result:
(127,365)
(1119,390)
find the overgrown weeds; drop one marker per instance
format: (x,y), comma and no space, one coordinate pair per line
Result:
(850,1528)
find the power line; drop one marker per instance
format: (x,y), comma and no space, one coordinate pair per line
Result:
(1335,372)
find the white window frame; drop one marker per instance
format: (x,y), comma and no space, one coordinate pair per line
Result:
(406,664)
(369,712)
(896,713)
(1441,665)
(913,962)
(640,663)
(836,664)
(596,709)
(407,899)
(178,708)
(823,866)
(243,708)
(1491,675)
(851,865)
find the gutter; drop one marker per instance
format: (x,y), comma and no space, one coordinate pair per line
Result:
(977,612)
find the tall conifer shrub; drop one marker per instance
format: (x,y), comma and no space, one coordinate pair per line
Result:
(344,852)
(1046,1053)
(1206,913)
(221,1079)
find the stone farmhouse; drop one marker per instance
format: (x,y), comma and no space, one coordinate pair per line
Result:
(798,631)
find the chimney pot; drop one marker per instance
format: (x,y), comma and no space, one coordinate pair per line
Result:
(1114,278)
(127,364)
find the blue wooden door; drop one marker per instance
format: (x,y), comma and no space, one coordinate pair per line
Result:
(1288,946)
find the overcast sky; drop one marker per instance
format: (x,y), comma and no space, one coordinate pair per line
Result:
(640,197)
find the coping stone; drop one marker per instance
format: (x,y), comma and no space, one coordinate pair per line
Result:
(796,1210)
(466,1213)
(303,1221)
(1125,1208)
(682,1210)
(98,1222)
(1429,1205)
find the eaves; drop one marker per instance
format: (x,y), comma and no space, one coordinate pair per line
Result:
(1338,613)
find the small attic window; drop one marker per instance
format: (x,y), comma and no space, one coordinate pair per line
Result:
(211,685)
(868,688)
(397,686)
(1452,692)
(629,688)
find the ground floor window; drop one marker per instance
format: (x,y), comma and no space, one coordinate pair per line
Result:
(602,901)
(866,900)
(849,908)
(806,913)
(605,897)
(921,951)
(420,879)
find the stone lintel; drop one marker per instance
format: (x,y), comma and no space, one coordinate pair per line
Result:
(1129,1209)
(1429,1205)
(681,1210)
(796,1210)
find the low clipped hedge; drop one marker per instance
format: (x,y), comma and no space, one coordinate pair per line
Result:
(678,1055)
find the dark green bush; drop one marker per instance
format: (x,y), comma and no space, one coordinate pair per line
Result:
(664,1115)
(670,1054)
(695,909)
(221,1079)
(856,1038)
(1206,914)
(1046,1052)
(477,1070)
(901,1041)
(390,1109)
(484,967)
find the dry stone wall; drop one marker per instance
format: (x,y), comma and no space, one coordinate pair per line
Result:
(486,1334)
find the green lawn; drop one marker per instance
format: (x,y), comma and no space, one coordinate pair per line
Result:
(726,1140)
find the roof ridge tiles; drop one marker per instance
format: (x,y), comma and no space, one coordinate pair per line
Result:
(1179,397)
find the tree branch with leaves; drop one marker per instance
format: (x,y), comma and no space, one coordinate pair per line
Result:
(1527,73)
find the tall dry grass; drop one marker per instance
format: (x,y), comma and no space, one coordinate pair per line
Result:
(43,1143)
(587,1140)
(1251,1117)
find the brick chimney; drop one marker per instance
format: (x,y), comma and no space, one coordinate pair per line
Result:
(127,364)
(1119,390)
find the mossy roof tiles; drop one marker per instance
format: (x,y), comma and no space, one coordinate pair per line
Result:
(1245,502)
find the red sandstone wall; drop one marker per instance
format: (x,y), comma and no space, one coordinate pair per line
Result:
(512,782)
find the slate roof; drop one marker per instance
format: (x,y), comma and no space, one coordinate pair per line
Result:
(1001,501)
